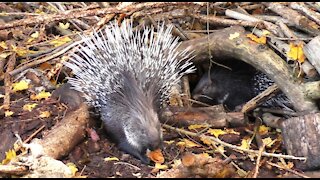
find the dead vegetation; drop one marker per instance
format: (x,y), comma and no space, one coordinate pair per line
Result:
(279,39)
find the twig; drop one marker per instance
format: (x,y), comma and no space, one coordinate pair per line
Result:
(33,134)
(45,59)
(256,172)
(287,169)
(217,140)
(79,13)
(7,80)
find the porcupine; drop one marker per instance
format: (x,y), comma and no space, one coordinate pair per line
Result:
(126,75)
(235,87)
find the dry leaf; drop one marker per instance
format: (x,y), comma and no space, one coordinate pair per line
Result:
(64,26)
(8,113)
(29,107)
(187,143)
(169,142)
(245,143)
(60,41)
(197,126)
(41,95)
(268,141)
(45,114)
(156,156)
(263,130)
(11,154)
(111,159)
(234,35)
(260,40)
(4,55)
(22,51)
(73,168)
(19,86)
(296,52)
(3,45)
(206,141)
(216,132)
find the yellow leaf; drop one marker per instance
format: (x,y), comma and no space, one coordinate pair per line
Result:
(231,131)
(245,143)
(8,113)
(19,86)
(206,141)
(160,166)
(169,142)
(265,32)
(296,52)
(176,163)
(3,45)
(60,41)
(38,11)
(111,159)
(187,143)
(64,26)
(35,34)
(220,149)
(260,40)
(5,55)
(216,132)
(45,114)
(263,130)
(73,168)
(41,95)
(234,35)
(29,107)
(268,141)
(22,51)
(11,154)
(197,126)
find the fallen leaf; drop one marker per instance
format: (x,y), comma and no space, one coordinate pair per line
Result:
(245,143)
(73,168)
(197,126)
(8,113)
(206,141)
(64,26)
(268,141)
(45,114)
(156,156)
(29,107)
(11,154)
(296,52)
(263,130)
(111,159)
(260,40)
(60,41)
(187,143)
(35,34)
(19,86)
(234,35)
(4,55)
(169,142)
(160,166)
(3,45)
(216,132)
(41,95)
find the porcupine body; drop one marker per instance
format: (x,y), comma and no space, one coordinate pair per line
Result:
(126,75)
(235,87)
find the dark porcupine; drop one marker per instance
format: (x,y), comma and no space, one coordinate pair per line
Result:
(126,75)
(235,87)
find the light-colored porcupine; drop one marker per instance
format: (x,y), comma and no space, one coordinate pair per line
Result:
(126,75)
